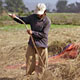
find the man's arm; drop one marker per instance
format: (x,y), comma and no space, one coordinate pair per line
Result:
(26,20)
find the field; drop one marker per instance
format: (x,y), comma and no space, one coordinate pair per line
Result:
(13,44)
(65,18)
(14,41)
(56,18)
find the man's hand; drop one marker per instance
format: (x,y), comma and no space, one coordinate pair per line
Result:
(29,32)
(12,15)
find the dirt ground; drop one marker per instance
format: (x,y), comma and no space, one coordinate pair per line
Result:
(13,45)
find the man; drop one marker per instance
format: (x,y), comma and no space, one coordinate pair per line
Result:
(40,25)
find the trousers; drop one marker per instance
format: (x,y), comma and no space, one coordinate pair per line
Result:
(31,59)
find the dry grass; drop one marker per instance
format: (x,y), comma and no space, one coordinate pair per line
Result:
(13,46)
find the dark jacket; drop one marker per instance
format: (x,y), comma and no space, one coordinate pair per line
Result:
(39,27)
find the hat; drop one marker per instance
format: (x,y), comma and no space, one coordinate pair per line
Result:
(40,8)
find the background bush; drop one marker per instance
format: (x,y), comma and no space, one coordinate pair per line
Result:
(56,18)
(65,18)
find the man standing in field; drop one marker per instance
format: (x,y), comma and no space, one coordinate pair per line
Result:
(40,25)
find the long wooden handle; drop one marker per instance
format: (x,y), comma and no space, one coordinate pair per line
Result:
(32,41)
(37,50)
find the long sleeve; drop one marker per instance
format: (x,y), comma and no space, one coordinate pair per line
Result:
(44,33)
(25,19)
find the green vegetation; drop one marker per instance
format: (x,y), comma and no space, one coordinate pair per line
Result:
(65,18)
(15,6)
(12,27)
(21,26)
(56,18)
(1,7)
(5,18)
(63,26)
(62,6)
